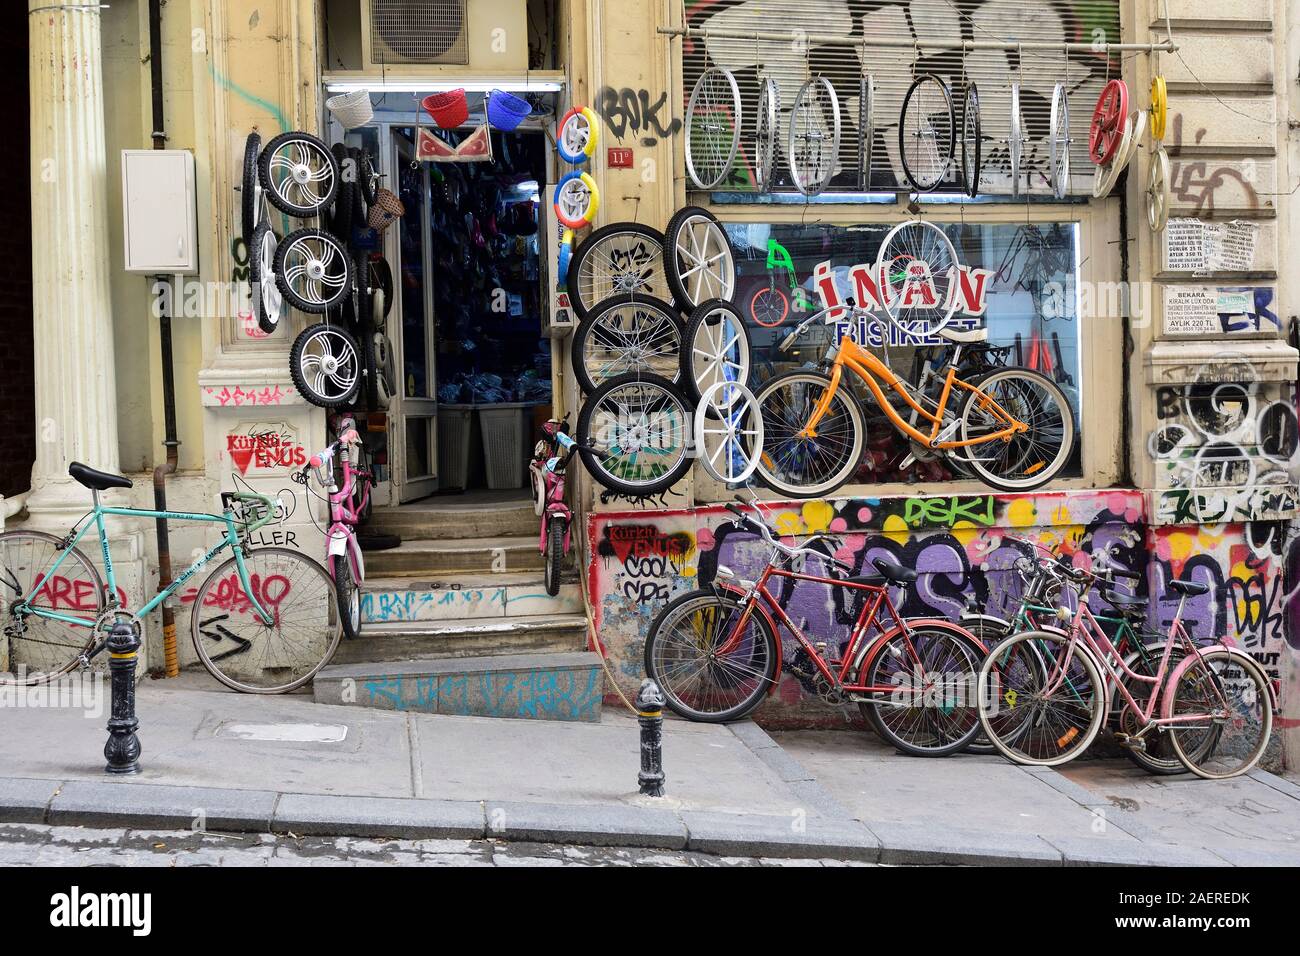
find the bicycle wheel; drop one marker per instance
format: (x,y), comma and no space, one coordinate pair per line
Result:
(627,333)
(250,192)
(929,713)
(1040,698)
(708,669)
(925,132)
(866,129)
(298,173)
(268,303)
(807,466)
(698,259)
(971,141)
(348,593)
(634,434)
(1158,189)
(1016,140)
(325,364)
(769,306)
(990,634)
(1157,756)
(313,270)
(577,198)
(767,130)
(1031,458)
(713,122)
(717,348)
(554,554)
(239,649)
(918,271)
(728,432)
(813,143)
(1223,692)
(1059,142)
(38,649)
(624,258)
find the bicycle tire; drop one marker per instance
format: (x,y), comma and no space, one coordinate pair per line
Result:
(943,146)
(866,129)
(709,178)
(767,132)
(971,141)
(768,658)
(268,301)
(657,389)
(554,554)
(348,594)
(774,427)
(344,370)
(250,196)
(341,219)
(318,200)
(320,599)
(684,263)
(623,258)
(662,337)
(1196,761)
(990,634)
(703,348)
(1141,691)
(330,257)
(1037,475)
(63,635)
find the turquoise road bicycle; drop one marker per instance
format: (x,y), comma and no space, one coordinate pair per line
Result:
(264,621)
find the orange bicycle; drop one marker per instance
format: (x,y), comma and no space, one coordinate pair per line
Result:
(1012,427)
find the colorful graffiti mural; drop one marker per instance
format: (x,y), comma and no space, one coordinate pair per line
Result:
(965,547)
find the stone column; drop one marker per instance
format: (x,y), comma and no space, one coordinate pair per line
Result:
(76,415)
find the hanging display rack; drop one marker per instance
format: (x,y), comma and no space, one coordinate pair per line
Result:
(795,36)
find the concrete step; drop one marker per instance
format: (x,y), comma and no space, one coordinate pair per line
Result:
(479,596)
(465,637)
(521,686)
(428,556)
(440,518)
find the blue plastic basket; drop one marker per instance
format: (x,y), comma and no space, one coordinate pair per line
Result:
(505,111)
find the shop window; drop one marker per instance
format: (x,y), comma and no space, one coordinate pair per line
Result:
(1022,284)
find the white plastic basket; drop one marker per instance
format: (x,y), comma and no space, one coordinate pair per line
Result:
(351,109)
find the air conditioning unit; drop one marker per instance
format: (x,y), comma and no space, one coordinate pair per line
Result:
(415,31)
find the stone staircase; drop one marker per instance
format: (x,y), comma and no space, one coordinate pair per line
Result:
(457,621)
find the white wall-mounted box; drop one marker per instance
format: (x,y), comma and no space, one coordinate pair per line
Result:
(159,211)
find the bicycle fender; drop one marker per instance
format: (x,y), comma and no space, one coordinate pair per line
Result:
(358,561)
(1167,706)
(759,608)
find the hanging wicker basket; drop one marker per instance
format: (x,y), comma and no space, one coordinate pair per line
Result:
(448,110)
(351,109)
(505,111)
(385,210)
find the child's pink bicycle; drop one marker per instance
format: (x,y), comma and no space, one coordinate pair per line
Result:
(546,471)
(342,552)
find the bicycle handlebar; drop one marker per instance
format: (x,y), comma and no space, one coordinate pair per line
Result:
(764,531)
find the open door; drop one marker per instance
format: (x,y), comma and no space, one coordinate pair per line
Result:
(413,422)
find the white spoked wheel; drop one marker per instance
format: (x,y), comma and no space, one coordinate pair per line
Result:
(298,173)
(971,141)
(728,432)
(767,129)
(1134,129)
(925,132)
(698,259)
(268,303)
(866,129)
(325,365)
(918,273)
(1016,140)
(386,370)
(813,144)
(313,270)
(1059,142)
(717,348)
(713,122)
(1158,189)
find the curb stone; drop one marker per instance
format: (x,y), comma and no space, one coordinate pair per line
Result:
(406,817)
(728,834)
(141,805)
(595,824)
(929,843)
(26,800)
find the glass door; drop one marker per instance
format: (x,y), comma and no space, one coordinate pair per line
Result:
(413,427)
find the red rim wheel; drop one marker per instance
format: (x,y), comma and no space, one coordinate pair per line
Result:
(1108,119)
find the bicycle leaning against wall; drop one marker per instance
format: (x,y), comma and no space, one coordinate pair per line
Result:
(263,622)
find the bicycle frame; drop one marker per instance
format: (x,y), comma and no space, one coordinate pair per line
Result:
(867,367)
(552,471)
(98,512)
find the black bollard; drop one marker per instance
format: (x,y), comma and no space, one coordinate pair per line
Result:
(650,715)
(123,747)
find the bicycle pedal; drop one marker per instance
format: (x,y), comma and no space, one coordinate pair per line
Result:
(1131,742)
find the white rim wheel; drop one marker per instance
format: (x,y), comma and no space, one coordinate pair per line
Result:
(574,199)
(767,129)
(925,132)
(1134,127)
(729,432)
(705,267)
(1158,189)
(918,272)
(299,174)
(719,349)
(813,143)
(628,334)
(1015,140)
(713,123)
(383,369)
(271,300)
(312,270)
(866,129)
(327,364)
(575,134)
(1059,142)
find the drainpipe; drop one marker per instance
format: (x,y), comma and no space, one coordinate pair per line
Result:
(170,441)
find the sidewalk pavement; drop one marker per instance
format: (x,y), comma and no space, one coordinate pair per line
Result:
(228,762)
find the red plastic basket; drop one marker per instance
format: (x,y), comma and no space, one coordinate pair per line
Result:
(449,110)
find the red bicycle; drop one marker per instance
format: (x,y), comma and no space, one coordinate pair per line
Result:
(715,652)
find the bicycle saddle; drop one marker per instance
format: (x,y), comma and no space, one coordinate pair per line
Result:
(895,571)
(1188,588)
(1125,603)
(97,480)
(968,337)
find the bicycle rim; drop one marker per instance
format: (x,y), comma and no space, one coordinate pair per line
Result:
(621,261)
(925,132)
(39,649)
(1223,694)
(1031,458)
(930,712)
(1060,142)
(918,272)
(628,335)
(700,681)
(1040,699)
(241,651)
(814,138)
(807,466)
(713,119)
(971,143)
(634,434)
(767,127)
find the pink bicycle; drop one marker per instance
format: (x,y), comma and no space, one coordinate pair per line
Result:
(347,504)
(546,471)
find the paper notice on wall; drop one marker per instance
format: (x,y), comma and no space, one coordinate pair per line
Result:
(1192,245)
(1191,310)
(1236,302)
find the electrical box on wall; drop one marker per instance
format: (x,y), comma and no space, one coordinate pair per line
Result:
(158,212)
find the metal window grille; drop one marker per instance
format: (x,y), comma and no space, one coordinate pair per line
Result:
(418,31)
(893,68)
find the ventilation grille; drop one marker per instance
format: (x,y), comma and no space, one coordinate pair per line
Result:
(418,31)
